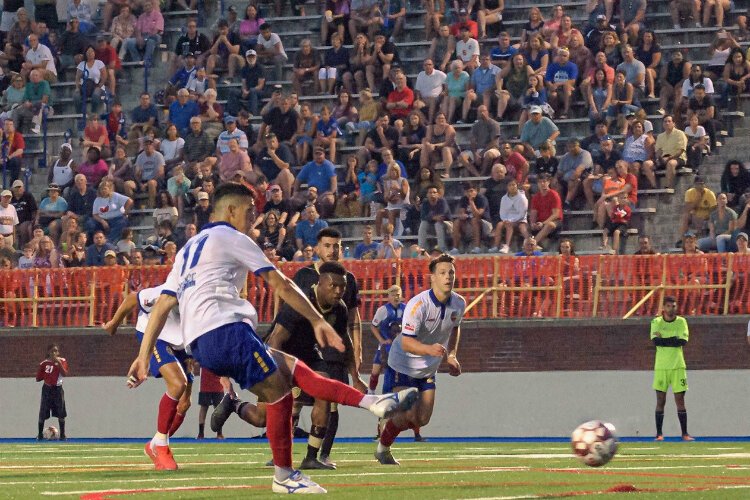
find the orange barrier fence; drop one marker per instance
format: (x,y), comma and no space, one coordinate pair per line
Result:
(512,287)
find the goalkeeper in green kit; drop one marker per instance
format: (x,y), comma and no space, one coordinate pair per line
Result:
(669,333)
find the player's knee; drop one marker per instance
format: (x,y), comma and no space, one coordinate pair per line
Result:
(422,420)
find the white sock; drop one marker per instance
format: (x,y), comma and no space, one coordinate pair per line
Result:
(160,440)
(368,400)
(382,448)
(282,473)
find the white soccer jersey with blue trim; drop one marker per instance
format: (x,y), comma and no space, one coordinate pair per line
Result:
(172,332)
(208,275)
(430,322)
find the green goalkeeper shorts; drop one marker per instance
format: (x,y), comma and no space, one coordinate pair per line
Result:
(676,378)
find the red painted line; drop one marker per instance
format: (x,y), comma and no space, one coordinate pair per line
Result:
(604,472)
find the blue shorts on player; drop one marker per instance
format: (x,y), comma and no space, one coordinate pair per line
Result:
(379,359)
(164,354)
(235,350)
(393,379)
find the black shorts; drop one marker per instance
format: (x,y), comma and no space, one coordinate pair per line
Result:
(209,398)
(338,371)
(53,402)
(611,227)
(661,165)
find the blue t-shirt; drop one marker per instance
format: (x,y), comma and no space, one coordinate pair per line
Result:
(141,115)
(365,251)
(318,175)
(498,54)
(48,205)
(559,73)
(368,183)
(535,134)
(328,127)
(181,115)
(309,233)
(484,79)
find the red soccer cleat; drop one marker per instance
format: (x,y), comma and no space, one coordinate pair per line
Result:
(659,438)
(688,437)
(164,459)
(149,451)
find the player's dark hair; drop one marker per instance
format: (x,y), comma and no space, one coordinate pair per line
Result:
(50,347)
(231,189)
(671,299)
(332,267)
(329,232)
(440,259)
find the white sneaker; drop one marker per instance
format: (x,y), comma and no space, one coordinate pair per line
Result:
(476,250)
(390,403)
(504,249)
(454,251)
(297,484)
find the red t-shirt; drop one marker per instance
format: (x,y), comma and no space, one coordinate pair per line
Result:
(108,55)
(52,373)
(544,204)
(473,29)
(15,143)
(93,134)
(633,194)
(113,123)
(621,215)
(404,95)
(210,381)
(514,166)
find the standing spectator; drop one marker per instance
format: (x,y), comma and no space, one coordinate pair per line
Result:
(472,219)
(513,213)
(669,332)
(545,215)
(26,209)
(16,146)
(111,210)
(51,371)
(671,148)
(148,31)
(8,218)
(435,216)
(95,252)
(150,171)
(271,51)
(225,52)
(428,89)
(210,394)
(617,225)
(699,203)
(537,130)
(721,224)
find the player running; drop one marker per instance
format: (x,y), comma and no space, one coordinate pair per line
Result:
(415,356)
(669,332)
(219,327)
(169,361)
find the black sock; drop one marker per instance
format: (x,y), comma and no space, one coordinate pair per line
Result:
(41,428)
(314,440)
(659,422)
(201,428)
(333,428)
(61,421)
(682,416)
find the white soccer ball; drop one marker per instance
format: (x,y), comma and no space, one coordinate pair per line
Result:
(594,442)
(51,433)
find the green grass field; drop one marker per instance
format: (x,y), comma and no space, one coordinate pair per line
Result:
(428,471)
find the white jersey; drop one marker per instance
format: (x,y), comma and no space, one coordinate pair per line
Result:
(171,333)
(430,322)
(207,277)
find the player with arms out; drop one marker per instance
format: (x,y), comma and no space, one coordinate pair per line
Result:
(431,318)
(51,371)
(219,326)
(669,332)
(169,361)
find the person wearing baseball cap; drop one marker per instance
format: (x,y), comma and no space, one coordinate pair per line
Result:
(741,243)
(8,217)
(699,203)
(535,132)
(465,22)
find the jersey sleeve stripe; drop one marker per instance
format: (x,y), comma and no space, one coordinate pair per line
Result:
(258,272)
(169,292)
(408,334)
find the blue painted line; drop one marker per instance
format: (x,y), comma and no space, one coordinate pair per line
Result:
(625,439)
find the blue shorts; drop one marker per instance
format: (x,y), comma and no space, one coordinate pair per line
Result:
(235,350)
(378,359)
(393,379)
(164,354)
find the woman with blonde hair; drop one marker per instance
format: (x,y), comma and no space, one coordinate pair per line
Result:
(395,191)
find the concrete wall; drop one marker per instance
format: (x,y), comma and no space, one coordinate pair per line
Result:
(475,404)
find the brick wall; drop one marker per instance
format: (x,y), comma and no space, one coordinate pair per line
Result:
(486,346)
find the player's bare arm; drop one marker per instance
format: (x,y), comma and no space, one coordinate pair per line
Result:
(382,340)
(127,306)
(453,364)
(278,337)
(290,293)
(414,346)
(355,326)
(139,369)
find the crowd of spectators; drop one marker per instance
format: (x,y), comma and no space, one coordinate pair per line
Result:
(170,152)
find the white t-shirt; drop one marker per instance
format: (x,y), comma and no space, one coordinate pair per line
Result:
(466,51)
(430,85)
(208,275)
(171,149)
(171,333)
(42,53)
(695,134)
(62,173)
(8,219)
(687,87)
(110,208)
(269,44)
(430,322)
(95,71)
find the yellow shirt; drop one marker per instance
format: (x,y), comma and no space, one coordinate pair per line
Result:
(704,202)
(670,144)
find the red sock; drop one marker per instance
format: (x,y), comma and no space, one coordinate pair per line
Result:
(167,411)
(279,430)
(176,423)
(374,381)
(389,433)
(324,388)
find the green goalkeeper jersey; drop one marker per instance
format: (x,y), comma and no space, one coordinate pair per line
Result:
(669,358)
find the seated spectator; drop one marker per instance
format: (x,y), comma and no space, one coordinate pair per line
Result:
(439,141)
(271,51)
(599,97)
(9,217)
(671,147)
(182,110)
(327,131)
(592,143)
(395,190)
(202,211)
(165,233)
(389,247)
(456,88)
(561,77)
(253,83)
(536,131)
(178,186)
(13,97)
(81,203)
(278,202)
(620,182)
(464,21)
(147,36)
(605,158)
(537,55)
(485,81)
(362,18)
(535,95)
(275,161)
(149,167)
(306,67)
(198,146)
(110,211)
(367,116)
(515,164)
(26,209)
(494,188)
(145,122)
(467,49)
(122,28)
(282,121)
(435,217)
(720,50)
(381,137)
(47,257)
(165,210)
(366,249)
(116,125)
(699,203)
(489,12)
(698,142)
(472,220)
(123,173)
(91,78)
(198,83)
(76,254)
(82,11)
(411,141)
(94,168)
(39,57)
(617,224)
(171,147)
(515,84)
(382,55)
(624,101)
(697,77)
(306,231)
(191,42)
(721,223)
(685,9)
(612,48)
(639,153)
(344,111)
(95,135)
(575,165)
(735,182)
(107,54)
(306,255)
(545,213)
(95,252)
(702,105)
(547,163)
(274,233)
(320,173)
(359,57)
(502,55)
(63,171)
(336,18)
(234,162)
(736,74)
(483,146)
(513,217)
(442,48)
(672,78)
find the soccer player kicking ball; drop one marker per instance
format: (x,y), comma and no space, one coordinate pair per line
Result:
(669,333)
(219,326)
(415,356)
(168,361)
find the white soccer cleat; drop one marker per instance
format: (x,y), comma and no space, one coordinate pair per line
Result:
(393,402)
(297,484)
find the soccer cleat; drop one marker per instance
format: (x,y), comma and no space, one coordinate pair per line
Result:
(201,436)
(325,459)
(386,458)
(418,438)
(394,402)
(269,463)
(687,437)
(149,451)
(314,463)
(222,412)
(659,438)
(164,459)
(297,484)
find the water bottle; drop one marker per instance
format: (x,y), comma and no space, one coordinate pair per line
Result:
(347,253)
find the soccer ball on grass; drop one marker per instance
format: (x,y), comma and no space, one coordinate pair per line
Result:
(51,433)
(594,442)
